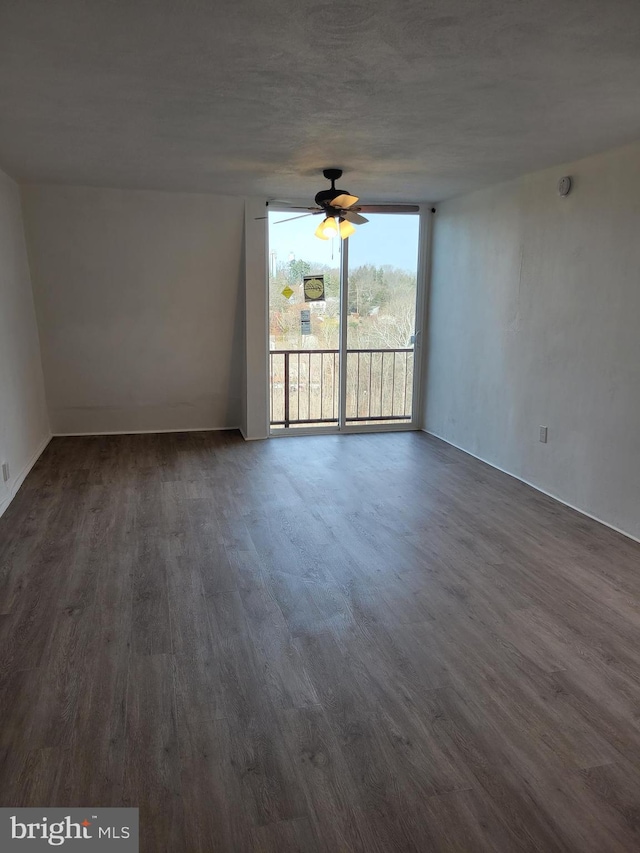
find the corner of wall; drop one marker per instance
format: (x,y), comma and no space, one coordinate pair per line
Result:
(24,419)
(29,258)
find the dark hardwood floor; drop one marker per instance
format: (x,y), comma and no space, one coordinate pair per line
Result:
(337,643)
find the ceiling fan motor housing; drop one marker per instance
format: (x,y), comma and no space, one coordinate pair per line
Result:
(324,197)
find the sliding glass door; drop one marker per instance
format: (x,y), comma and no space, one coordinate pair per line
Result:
(342,325)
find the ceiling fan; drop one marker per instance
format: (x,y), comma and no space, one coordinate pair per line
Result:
(342,211)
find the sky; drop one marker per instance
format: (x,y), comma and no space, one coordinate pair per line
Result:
(385,239)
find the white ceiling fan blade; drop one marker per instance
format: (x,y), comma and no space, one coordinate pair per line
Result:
(302,216)
(389,208)
(344,200)
(352,216)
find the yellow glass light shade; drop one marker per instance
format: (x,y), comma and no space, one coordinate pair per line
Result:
(346,229)
(320,231)
(330,227)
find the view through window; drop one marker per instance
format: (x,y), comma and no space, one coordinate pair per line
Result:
(305,334)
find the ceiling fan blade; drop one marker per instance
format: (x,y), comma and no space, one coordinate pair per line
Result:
(344,200)
(352,216)
(302,216)
(388,208)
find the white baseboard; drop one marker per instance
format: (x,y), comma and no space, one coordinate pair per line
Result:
(537,488)
(144,431)
(20,478)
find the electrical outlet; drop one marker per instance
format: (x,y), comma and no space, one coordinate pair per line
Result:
(5,471)
(543,434)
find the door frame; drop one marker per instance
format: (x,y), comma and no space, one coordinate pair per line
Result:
(422,276)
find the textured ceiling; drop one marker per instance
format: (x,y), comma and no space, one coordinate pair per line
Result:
(415,100)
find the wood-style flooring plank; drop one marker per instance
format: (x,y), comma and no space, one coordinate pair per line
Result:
(152,768)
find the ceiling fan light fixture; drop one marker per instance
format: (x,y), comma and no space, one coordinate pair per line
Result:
(346,229)
(329,227)
(319,232)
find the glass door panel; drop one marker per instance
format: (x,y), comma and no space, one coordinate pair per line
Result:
(304,330)
(382,282)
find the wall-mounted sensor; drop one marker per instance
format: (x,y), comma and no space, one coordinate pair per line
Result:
(564,186)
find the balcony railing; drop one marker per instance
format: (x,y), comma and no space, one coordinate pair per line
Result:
(305,386)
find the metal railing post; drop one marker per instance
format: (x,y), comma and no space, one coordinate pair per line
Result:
(286,388)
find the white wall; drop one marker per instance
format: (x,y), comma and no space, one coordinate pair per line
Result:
(256,359)
(534,319)
(139,298)
(24,427)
